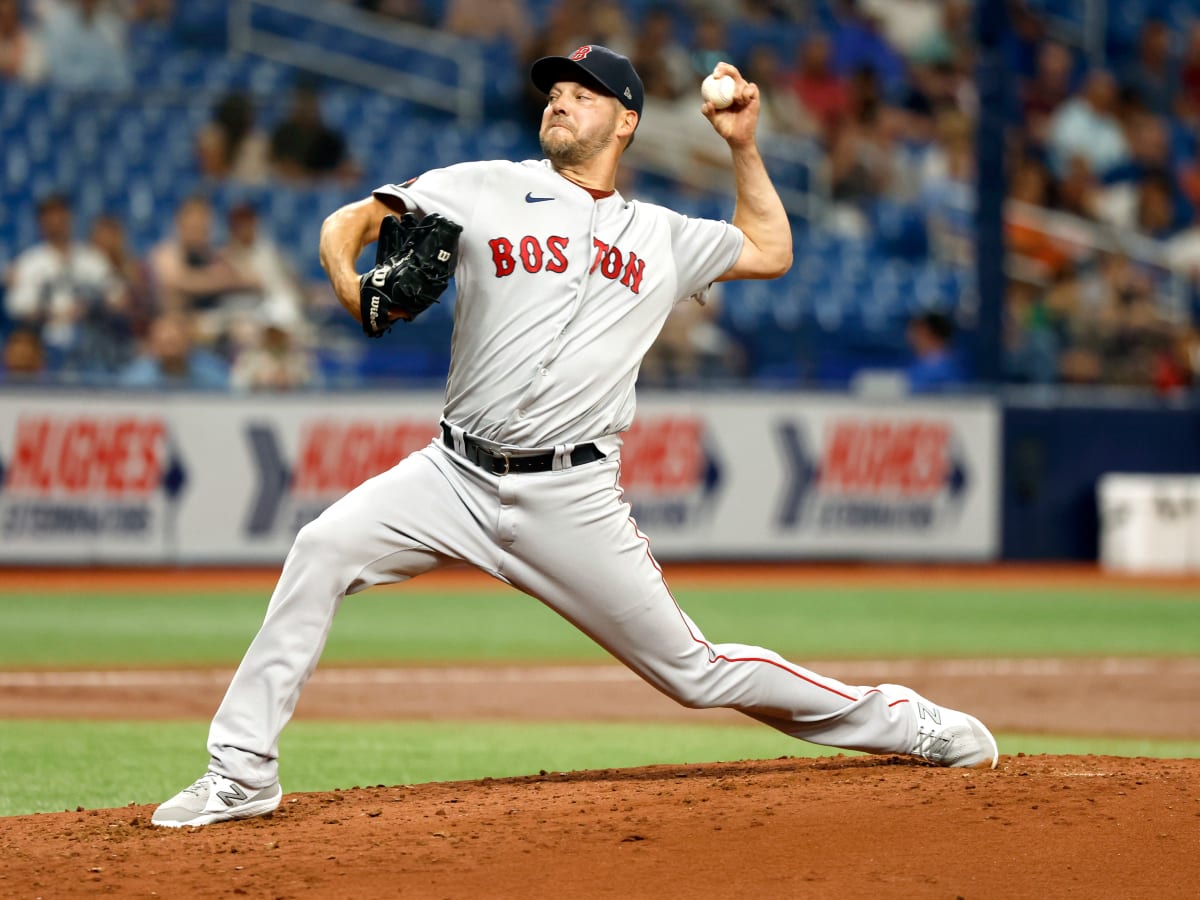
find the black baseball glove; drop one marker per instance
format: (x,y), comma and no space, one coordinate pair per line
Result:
(413,264)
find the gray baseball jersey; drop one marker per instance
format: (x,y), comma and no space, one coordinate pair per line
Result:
(559,296)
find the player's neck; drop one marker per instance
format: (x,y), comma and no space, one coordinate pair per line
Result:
(592,179)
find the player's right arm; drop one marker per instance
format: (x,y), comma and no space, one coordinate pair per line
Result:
(758,211)
(344,234)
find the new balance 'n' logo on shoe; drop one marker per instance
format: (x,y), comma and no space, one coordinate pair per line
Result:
(233,795)
(215,798)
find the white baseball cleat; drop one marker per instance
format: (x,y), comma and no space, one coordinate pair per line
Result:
(947,737)
(215,798)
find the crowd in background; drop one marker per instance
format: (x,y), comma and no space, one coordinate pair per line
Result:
(883,88)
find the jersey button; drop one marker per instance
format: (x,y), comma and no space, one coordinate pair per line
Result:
(520,413)
(545,372)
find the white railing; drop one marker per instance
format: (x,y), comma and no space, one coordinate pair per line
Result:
(1082,239)
(464,98)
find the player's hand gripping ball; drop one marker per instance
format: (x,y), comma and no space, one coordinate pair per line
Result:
(718,90)
(413,264)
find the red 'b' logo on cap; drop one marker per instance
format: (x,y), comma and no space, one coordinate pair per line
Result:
(582,52)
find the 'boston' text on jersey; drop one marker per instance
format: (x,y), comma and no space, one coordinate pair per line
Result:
(610,261)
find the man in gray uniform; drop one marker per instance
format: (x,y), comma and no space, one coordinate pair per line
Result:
(563,284)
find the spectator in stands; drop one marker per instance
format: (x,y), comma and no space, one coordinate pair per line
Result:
(169,359)
(948,190)
(1155,215)
(1031,343)
(861,159)
(820,90)
(195,277)
(231,146)
(55,283)
(1049,89)
(490,21)
(1188,90)
(608,25)
(660,59)
(1150,157)
(276,361)
(570,23)
(1087,126)
(781,112)
(1114,331)
(23,359)
(1078,191)
(1182,252)
(908,25)
(858,44)
(692,349)
(21,57)
(85,46)
(279,297)
(673,141)
(708,46)
(951,41)
(935,366)
(303,147)
(131,280)
(1036,254)
(1152,77)
(558,35)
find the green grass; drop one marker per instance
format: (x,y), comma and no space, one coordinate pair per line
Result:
(49,766)
(408,624)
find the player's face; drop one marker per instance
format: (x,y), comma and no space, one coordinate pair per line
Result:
(577,124)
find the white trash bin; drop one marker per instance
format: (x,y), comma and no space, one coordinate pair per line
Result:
(1149,524)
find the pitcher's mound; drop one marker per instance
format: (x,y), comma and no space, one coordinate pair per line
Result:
(837,827)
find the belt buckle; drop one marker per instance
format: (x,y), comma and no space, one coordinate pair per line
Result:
(500,454)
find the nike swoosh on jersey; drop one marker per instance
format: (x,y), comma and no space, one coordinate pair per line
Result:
(529,198)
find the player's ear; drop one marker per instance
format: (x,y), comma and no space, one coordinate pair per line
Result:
(626,123)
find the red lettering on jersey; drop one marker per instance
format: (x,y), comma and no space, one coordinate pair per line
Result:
(531,254)
(632,278)
(556,245)
(611,267)
(502,256)
(601,249)
(550,255)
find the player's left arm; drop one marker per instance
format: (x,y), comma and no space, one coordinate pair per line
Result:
(758,211)
(344,234)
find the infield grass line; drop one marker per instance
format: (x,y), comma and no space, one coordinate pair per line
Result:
(410,626)
(50,766)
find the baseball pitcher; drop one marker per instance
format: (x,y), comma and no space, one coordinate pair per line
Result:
(563,284)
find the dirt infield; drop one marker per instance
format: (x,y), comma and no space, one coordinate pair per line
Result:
(834,828)
(838,827)
(1121,697)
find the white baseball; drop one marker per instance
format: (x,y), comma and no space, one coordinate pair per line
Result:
(718,90)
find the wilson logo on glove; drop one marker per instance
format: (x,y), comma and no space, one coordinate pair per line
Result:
(413,264)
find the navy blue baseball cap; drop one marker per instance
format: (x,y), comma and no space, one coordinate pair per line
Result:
(592,64)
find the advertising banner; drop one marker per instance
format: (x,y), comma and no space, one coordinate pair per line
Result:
(195,479)
(803,476)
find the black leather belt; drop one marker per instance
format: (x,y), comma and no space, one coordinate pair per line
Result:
(499,462)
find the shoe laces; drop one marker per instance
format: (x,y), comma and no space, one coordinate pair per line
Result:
(931,744)
(200,784)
